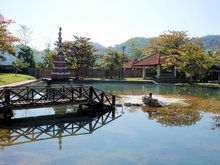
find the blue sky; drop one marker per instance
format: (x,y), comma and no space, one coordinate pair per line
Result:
(111,22)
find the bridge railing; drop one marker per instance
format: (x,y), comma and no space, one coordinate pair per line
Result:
(15,97)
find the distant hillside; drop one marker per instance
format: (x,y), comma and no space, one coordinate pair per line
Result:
(211,42)
(100,48)
(132,43)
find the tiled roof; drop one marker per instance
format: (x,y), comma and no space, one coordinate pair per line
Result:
(129,64)
(154,59)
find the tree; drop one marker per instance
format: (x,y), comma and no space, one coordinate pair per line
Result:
(6,38)
(132,46)
(79,54)
(19,65)
(26,55)
(184,53)
(114,60)
(48,56)
(195,62)
(25,34)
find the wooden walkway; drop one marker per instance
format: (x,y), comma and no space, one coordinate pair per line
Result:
(38,96)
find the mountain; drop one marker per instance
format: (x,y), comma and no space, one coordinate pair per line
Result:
(100,48)
(211,42)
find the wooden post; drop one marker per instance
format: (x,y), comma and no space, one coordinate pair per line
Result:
(53,94)
(32,96)
(113,114)
(113,101)
(7,96)
(80,92)
(102,98)
(90,94)
(63,92)
(90,126)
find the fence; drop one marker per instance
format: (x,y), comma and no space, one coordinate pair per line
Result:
(89,73)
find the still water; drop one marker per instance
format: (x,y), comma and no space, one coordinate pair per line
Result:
(130,135)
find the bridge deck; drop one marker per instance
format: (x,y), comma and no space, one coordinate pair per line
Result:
(25,97)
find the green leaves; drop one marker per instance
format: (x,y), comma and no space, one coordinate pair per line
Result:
(6,38)
(114,59)
(184,53)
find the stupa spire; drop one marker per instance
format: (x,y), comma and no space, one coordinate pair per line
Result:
(60,70)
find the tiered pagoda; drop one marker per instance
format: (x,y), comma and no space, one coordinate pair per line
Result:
(60,71)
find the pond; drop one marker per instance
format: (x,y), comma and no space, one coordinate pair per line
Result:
(130,135)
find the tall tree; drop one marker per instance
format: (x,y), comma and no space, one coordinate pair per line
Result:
(132,46)
(25,34)
(184,53)
(6,38)
(79,54)
(114,60)
(26,55)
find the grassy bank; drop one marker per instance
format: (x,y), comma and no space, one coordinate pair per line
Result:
(9,78)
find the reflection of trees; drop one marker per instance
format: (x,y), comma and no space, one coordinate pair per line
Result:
(174,117)
(216,123)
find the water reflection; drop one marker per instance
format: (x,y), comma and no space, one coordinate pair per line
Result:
(185,114)
(174,117)
(32,129)
(140,89)
(216,123)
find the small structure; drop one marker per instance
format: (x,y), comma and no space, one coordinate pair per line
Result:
(60,71)
(149,101)
(155,60)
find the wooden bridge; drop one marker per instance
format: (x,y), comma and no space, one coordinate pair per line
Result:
(37,96)
(33,129)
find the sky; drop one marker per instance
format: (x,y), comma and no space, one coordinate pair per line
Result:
(110,22)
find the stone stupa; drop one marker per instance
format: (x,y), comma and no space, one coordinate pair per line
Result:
(60,70)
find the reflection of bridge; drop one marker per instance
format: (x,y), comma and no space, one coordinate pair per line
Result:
(31,129)
(20,97)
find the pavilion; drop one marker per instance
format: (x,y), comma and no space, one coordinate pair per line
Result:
(154,60)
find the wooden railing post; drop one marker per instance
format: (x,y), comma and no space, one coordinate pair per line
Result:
(32,96)
(53,94)
(7,96)
(91,90)
(113,101)
(80,92)
(102,98)
(63,92)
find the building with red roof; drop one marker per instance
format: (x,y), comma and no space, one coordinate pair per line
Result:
(153,60)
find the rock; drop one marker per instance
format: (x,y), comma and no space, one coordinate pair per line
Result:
(149,101)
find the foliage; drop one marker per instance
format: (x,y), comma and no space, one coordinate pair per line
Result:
(6,38)
(184,53)
(215,55)
(26,55)
(19,65)
(79,54)
(47,59)
(114,60)
(8,78)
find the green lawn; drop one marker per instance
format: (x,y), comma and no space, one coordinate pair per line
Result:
(8,78)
